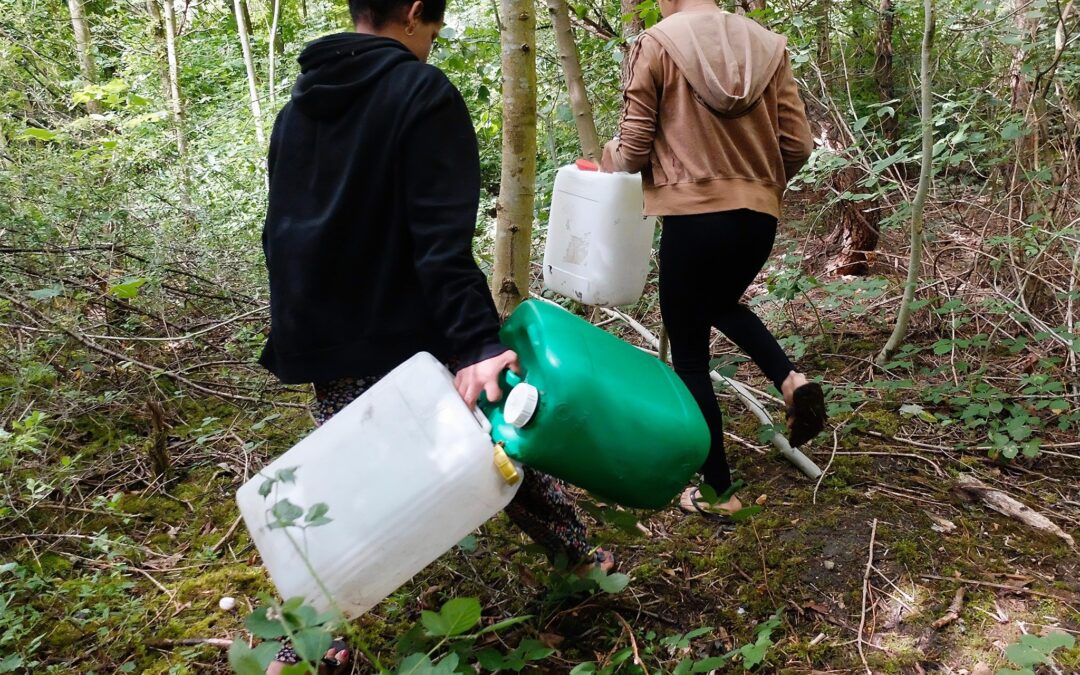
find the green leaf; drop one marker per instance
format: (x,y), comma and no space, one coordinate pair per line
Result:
(286,512)
(459,615)
(490,659)
(502,625)
(609,583)
(713,663)
(242,659)
(434,623)
(286,475)
(261,627)
(128,290)
(1023,655)
(415,664)
(316,512)
(312,643)
(468,544)
(38,134)
(47,293)
(587,668)
(11,663)
(266,487)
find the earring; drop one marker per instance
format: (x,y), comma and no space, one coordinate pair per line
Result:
(410,30)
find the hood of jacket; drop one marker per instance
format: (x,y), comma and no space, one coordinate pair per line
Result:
(337,69)
(727,59)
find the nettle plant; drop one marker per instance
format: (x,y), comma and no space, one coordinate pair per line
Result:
(444,642)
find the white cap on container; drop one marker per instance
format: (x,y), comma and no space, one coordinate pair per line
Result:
(521,404)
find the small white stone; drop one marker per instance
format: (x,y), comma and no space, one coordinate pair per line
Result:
(830,565)
(227,603)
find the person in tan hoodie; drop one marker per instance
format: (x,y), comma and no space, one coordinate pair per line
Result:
(713,120)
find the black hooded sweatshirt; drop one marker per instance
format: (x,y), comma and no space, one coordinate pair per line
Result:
(374,189)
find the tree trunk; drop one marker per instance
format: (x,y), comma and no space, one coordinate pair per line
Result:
(883,65)
(157,31)
(575,82)
(273,51)
(631,28)
(824,36)
(1023,104)
(253,87)
(84,48)
(176,104)
(517,189)
(926,115)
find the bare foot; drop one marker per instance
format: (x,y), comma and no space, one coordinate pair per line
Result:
(339,656)
(787,388)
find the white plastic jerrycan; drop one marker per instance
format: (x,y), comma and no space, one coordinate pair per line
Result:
(598,241)
(406,471)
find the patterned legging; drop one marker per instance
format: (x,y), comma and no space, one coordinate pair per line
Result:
(542,508)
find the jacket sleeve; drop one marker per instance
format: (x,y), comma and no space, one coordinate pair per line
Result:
(630,151)
(796,141)
(441,172)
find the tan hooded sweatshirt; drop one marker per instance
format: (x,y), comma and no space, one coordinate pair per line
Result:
(711,116)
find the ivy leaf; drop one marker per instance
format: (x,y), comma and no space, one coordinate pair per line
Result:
(266,487)
(286,475)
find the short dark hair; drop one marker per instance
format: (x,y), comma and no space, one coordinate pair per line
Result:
(379,12)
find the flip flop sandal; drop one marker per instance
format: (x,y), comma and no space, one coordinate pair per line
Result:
(806,416)
(601,558)
(691,502)
(288,655)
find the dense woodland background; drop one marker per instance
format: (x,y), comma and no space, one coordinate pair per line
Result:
(133,303)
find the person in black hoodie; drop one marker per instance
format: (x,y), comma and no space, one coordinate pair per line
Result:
(374,189)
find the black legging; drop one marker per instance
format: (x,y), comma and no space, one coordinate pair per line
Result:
(707,261)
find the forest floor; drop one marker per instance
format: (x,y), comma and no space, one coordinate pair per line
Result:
(107,568)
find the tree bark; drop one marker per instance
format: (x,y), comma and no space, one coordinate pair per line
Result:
(157,31)
(883,65)
(575,82)
(1023,101)
(631,28)
(824,36)
(926,115)
(253,87)
(517,190)
(273,51)
(176,104)
(84,48)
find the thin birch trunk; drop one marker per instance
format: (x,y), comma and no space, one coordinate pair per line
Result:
(517,191)
(176,104)
(253,87)
(575,82)
(926,115)
(273,52)
(84,48)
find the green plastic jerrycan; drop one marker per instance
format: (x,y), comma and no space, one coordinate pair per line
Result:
(595,411)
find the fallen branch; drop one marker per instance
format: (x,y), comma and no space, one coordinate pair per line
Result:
(954,609)
(801,461)
(1004,504)
(191,642)
(1003,587)
(865,592)
(633,643)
